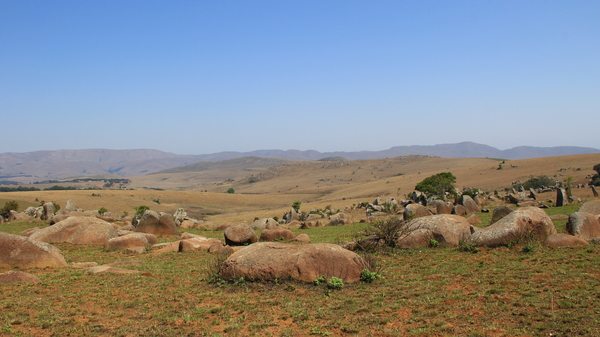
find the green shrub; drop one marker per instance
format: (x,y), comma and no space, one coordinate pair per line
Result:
(335,283)
(471,248)
(231,190)
(320,280)
(433,243)
(102,210)
(368,276)
(528,248)
(9,206)
(140,210)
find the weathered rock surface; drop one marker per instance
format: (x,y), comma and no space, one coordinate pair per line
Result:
(77,230)
(240,235)
(305,263)
(13,276)
(500,212)
(277,234)
(561,197)
(127,241)
(303,238)
(160,226)
(514,227)
(446,229)
(583,225)
(412,211)
(441,207)
(470,205)
(19,251)
(264,223)
(459,210)
(561,240)
(592,206)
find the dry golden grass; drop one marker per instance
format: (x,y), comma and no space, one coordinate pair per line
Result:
(316,184)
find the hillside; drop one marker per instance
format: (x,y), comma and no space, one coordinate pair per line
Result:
(271,191)
(51,165)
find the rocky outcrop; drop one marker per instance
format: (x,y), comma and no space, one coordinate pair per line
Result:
(500,212)
(77,230)
(520,224)
(277,234)
(583,225)
(15,276)
(19,251)
(305,263)
(264,223)
(592,206)
(240,235)
(412,211)
(446,229)
(160,226)
(561,240)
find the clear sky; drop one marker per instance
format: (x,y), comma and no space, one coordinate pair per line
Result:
(197,77)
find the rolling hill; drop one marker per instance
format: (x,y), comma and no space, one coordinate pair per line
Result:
(50,165)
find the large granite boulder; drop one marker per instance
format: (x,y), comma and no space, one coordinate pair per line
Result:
(240,235)
(583,225)
(592,206)
(19,251)
(561,240)
(500,212)
(264,223)
(77,230)
(277,234)
(412,211)
(520,224)
(152,223)
(446,229)
(305,263)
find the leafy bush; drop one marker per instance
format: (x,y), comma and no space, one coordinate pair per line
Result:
(471,248)
(539,182)
(528,248)
(231,190)
(102,210)
(335,283)
(140,210)
(368,276)
(437,184)
(433,243)
(597,168)
(296,205)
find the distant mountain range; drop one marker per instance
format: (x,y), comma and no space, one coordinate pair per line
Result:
(47,165)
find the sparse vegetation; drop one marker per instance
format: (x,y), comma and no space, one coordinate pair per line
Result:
(230,190)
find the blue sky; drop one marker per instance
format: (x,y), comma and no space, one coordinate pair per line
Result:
(196,77)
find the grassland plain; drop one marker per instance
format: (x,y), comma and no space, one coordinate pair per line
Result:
(316,184)
(424,292)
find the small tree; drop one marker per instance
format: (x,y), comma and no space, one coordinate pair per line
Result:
(296,205)
(231,190)
(438,184)
(102,210)
(140,210)
(9,206)
(597,169)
